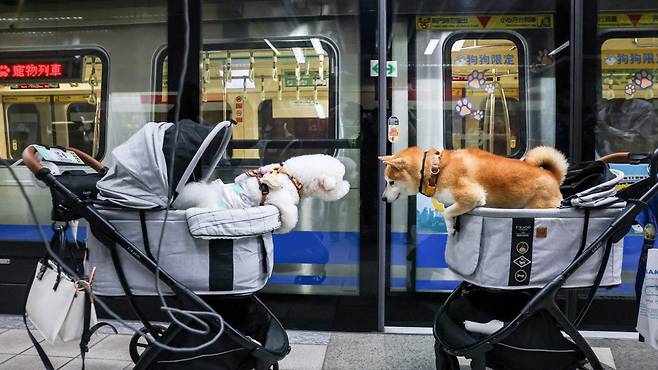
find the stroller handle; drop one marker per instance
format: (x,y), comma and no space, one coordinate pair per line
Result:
(30,159)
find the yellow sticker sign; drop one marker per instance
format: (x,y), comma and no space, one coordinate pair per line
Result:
(26,99)
(476,22)
(629,58)
(628,20)
(71,98)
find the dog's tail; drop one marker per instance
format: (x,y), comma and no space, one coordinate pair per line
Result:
(549,159)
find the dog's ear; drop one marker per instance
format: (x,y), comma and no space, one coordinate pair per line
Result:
(272,180)
(327,183)
(397,163)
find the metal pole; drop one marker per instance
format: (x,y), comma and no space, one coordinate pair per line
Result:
(576,73)
(381,148)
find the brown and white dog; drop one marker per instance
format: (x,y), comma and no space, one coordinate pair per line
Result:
(468,178)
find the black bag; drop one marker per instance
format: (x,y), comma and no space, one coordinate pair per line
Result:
(78,182)
(585,175)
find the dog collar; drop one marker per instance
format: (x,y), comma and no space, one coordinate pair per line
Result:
(433,178)
(265,190)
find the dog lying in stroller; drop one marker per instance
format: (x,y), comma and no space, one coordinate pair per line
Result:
(282,185)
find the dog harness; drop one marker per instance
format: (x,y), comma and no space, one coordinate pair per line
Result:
(433,179)
(265,189)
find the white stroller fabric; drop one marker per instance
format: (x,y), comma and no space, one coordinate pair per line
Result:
(138,176)
(236,263)
(232,224)
(527,248)
(602,195)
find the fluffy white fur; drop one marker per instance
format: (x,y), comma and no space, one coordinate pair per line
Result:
(321,175)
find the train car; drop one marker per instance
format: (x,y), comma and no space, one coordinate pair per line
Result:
(300,78)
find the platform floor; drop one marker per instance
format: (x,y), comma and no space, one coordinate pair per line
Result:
(310,351)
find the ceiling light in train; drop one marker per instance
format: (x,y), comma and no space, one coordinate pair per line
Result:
(299,55)
(272,47)
(320,111)
(431,46)
(317,45)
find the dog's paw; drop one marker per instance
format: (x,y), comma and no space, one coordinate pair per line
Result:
(450,224)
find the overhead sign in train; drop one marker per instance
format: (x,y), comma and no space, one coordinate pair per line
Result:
(475,22)
(21,70)
(628,20)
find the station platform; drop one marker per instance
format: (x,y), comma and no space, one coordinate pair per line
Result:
(311,350)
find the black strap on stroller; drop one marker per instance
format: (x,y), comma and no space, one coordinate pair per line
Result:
(533,316)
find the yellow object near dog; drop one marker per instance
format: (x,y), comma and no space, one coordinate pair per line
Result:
(438,206)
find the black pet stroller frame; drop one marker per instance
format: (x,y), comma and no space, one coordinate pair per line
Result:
(539,318)
(258,348)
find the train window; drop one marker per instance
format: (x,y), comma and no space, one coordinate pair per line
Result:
(52,98)
(274,89)
(627,115)
(23,127)
(483,101)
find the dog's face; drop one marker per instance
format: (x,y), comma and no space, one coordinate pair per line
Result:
(402,174)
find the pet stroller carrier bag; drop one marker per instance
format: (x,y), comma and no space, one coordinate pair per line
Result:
(513,263)
(223,252)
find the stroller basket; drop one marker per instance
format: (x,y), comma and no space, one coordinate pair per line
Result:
(234,260)
(227,255)
(513,262)
(527,248)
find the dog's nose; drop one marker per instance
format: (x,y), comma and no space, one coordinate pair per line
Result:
(383,199)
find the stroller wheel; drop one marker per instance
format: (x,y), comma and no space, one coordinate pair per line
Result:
(138,343)
(445,361)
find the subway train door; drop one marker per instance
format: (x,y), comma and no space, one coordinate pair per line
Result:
(467,78)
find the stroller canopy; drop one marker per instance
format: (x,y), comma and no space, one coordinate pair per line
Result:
(138,177)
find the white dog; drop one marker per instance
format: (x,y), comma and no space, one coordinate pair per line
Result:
(281,185)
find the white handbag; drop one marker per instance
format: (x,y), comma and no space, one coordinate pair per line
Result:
(56,304)
(647,319)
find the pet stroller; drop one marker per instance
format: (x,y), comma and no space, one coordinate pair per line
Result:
(504,315)
(226,253)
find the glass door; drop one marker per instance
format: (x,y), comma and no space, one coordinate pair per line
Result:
(470,75)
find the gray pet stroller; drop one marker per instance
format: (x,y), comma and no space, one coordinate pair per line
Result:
(225,253)
(514,262)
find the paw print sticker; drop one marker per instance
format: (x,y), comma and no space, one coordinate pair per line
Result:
(489,89)
(643,79)
(477,115)
(543,58)
(476,79)
(629,89)
(463,107)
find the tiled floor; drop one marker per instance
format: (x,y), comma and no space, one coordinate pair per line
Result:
(310,351)
(111,352)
